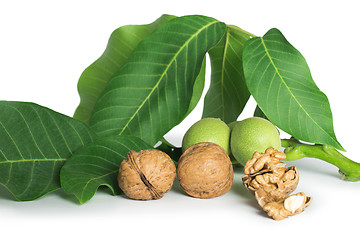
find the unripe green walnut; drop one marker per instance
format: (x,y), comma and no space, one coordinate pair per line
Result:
(253,135)
(208,130)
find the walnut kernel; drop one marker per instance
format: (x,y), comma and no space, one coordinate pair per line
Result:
(265,171)
(272,182)
(292,205)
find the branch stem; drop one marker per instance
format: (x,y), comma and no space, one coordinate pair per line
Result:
(294,150)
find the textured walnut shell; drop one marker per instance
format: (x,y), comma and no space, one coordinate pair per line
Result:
(147,174)
(205,171)
(278,210)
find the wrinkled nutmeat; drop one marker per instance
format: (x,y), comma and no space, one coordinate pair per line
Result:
(271,182)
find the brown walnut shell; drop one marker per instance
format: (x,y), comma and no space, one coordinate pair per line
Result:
(205,171)
(278,209)
(147,174)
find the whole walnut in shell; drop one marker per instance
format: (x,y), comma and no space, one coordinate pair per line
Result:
(205,171)
(147,174)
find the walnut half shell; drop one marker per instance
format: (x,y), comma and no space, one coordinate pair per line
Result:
(290,206)
(147,174)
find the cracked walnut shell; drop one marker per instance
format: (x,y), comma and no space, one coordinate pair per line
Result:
(205,171)
(290,206)
(265,171)
(147,174)
(272,182)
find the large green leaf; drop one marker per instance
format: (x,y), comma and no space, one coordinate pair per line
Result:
(97,164)
(34,144)
(228,93)
(279,78)
(121,44)
(151,93)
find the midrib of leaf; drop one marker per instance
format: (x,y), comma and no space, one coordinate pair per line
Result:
(164,73)
(34,160)
(223,72)
(287,87)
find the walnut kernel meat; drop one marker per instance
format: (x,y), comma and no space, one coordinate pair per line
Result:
(265,171)
(272,182)
(292,205)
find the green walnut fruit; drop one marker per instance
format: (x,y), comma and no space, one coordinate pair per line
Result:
(208,130)
(253,135)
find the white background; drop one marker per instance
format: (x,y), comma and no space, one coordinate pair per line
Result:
(45,46)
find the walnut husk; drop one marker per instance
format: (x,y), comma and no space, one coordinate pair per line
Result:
(147,174)
(205,171)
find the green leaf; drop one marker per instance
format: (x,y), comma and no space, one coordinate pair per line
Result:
(259,113)
(151,93)
(121,44)
(228,93)
(279,78)
(97,164)
(34,144)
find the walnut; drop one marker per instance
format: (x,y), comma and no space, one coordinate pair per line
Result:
(205,171)
(271,182)
(147,174)
(265,171)
(290,206)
